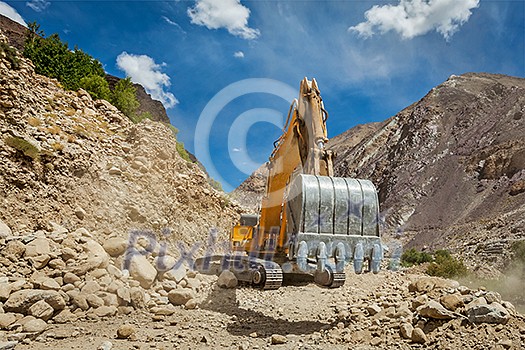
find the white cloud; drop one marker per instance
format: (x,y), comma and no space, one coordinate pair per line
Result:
(143,70)
(238,54)
(411,18)
(38,5)
(173,23)
(11,13)
(229,14)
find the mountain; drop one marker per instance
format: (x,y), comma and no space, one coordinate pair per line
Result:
(16,34)
(450,168)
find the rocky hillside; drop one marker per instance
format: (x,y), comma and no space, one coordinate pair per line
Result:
(16,34)
(250,191)
(450,168)
(69,160)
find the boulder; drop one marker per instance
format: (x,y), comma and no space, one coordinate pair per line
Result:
(78,300)
(124,294)
(137,297)
(451,301)
(227,279)
(105,311)
(405,330)
(141,270)
(115,246)
(91,287)
(433,309)
(22,300)
(418,336)
(65,316)
(125,331)
(38,246)
(5,290)
(46,283)
(94,301)
(5,231)
(97,253)
(485,313)
(57,228)
(278,339)
(41,310)
(39,261)
(8,345)
(426,284)
(373,309)
(80,213)
(7,319)
(70,278)
(165,263)
(34,326)
(176,273)
(14,249)
(493,297)
(180,296)
(191,304)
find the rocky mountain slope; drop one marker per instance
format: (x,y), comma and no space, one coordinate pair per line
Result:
(67,159)
(16,34)
(450,169)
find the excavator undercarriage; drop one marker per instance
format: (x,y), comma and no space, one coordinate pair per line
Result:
(310,222)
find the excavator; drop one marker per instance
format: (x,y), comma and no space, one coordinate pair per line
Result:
(310,222)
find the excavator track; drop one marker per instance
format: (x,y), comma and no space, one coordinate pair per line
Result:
(260,273)
(274,278)
(338,280)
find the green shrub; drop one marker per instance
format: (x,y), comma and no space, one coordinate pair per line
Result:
(137,118)
(26,147)
(173,129)
(124,97)
(215,184)
(182,152)
(445,265)
(10,55)
(54,59)
(518,250)
(413,257)
(97,87)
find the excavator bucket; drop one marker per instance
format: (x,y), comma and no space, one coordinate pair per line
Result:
(333,218)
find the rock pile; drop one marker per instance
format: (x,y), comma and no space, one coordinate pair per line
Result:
(62,276)
(431,311)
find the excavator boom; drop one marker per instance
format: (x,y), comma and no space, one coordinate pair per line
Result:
(310,221)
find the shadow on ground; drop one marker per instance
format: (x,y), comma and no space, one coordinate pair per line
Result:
(249,321)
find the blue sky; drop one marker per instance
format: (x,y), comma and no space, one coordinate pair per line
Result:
(370,58)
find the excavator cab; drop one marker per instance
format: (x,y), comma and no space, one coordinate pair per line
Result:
(310,222)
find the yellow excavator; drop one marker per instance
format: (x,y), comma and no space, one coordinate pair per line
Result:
(310,222)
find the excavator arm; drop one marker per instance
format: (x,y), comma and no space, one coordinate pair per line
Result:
(310,221)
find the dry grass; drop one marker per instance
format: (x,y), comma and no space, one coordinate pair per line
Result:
(57,146)
(71,138)
(34,121)
(70,111)
(54,130)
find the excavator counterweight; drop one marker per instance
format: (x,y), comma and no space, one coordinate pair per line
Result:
(310,222)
